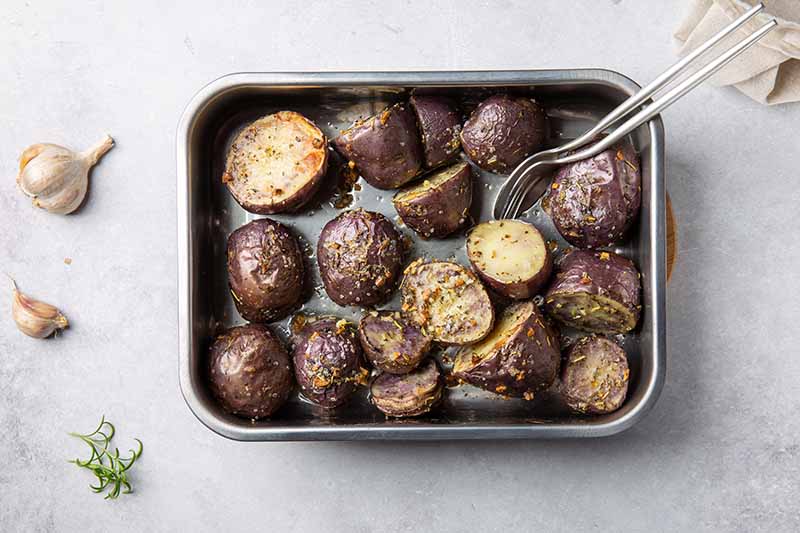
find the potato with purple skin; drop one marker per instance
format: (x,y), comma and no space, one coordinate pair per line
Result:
(276,163)
(327,361)
(439,125)
(593,202)
(510,256)
(391,343)
(595,291)
(439,204)
(360,256)
(385,149)
(407,395)
(502,131)
(595,375)
(249,371)
(447,301)
(265,270)
(519,358)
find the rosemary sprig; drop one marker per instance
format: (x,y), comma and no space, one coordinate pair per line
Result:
(108,467)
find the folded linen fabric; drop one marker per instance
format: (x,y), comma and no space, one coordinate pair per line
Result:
(770,71)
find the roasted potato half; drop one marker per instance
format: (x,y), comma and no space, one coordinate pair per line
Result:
(519,358)
(327,361)
(502,131)
(265,270)
(385,149)
(360,256)
(249,371)
(595,291)
(411,394)
(439,204)
(510,256)
(276,163)
(593,202)
(594,378)
(447,301)
(439,124)
(391,343)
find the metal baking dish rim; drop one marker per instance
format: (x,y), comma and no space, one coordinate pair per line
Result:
(657,271)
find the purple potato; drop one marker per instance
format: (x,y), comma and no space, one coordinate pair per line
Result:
(510,256)
(593,202)
(327,361)
(265,270)
(440,125)
(385,148)
(595,291)
(360,256)
(594,378)
(276,163)
(249,371)
(439,204)
(391,343)
(519,358)
(447,301)
(411,394)
(502,131)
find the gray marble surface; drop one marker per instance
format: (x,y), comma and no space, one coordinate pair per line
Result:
(720,451)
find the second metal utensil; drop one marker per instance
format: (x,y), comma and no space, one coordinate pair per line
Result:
(529,180)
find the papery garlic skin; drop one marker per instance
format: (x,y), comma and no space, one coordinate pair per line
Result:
(34,318)
(56,177)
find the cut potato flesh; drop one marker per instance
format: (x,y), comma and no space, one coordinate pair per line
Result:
(429,184)
(447,301)
(274,158)
(592,312)
(507,250)
(506,328)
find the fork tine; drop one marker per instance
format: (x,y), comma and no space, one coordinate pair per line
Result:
(517,175)
(512,208)
(513,212)
(671,96)
(660,82)
(514,199)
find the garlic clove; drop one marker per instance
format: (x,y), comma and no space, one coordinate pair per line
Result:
(35,318)
(56,177)
(64,201)
(44,168)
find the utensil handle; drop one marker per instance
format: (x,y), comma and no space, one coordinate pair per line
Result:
(663,79)
(670,97)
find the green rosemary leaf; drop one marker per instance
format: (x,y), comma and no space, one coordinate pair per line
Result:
(106,465)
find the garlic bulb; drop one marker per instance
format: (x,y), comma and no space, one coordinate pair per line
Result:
(56,177)
(34,318)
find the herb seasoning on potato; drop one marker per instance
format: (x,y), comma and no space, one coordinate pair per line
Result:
(595,291)
(437,205)
(360,255)
(593,202)
(519,358)
(327,361)
(276,163)
(411,394)
(385,148)
(511,256)
(249,371)
(392,343)
(595,375)
(447,301)
(439,125)
(265,270)
(502,131)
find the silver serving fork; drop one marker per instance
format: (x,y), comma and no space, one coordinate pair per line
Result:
(529,180)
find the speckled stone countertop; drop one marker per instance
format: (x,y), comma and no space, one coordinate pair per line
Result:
(720,451)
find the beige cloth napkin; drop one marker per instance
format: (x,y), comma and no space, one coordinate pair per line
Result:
(770,71)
